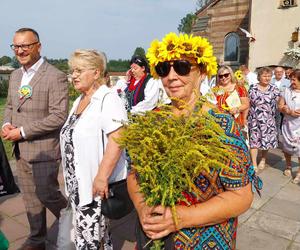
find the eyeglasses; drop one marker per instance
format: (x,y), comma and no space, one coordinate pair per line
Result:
(181,67)
(24,47)
(78,71)
(224,75)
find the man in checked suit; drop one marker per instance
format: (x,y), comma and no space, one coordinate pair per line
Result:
(36,109)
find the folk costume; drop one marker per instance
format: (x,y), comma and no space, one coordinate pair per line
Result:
(135,92)
(212,182)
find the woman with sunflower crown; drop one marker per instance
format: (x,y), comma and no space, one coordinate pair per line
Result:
(206,216)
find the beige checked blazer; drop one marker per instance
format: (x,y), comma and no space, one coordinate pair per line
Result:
(42,115)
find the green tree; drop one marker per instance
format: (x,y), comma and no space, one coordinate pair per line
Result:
(201,3)
(15,63)
(186,23)
(3,88)
(61,64)
(118,65)
(139,51)
(4,60)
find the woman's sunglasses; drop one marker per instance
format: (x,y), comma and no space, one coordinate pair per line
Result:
(224,75)
(181,67)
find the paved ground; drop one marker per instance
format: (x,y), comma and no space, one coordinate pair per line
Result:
(272,222)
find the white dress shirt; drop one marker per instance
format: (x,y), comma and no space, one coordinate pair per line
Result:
(251,78)
(281,84)
(29,73)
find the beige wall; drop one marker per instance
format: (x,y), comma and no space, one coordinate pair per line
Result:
(272,27)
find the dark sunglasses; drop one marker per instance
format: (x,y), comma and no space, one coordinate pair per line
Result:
(224,75)
(181,67)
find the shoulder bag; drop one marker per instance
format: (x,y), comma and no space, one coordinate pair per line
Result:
(118,204)
(65,237)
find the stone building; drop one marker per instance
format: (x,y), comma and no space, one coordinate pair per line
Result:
(219,21)
(5,72)
(270,33)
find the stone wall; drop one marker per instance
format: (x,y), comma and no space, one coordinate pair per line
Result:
(226,16)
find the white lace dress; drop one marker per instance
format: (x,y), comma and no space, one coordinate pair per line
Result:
(291,125)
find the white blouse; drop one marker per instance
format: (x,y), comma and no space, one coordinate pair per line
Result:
(87,140)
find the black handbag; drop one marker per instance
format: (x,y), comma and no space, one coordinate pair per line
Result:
(118,204)
(7,182)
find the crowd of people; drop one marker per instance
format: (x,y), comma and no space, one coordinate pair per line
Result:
(269,111)
(84,140)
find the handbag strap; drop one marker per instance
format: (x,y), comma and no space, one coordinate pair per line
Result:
(69,202)
(102,129)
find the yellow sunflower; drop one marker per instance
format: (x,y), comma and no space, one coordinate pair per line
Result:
(239,75)
(175,46)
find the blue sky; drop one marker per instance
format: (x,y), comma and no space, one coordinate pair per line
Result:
(116,27)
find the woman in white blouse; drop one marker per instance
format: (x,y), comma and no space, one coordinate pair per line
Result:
(90,156)
(139,91)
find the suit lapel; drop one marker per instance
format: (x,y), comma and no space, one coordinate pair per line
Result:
(38,74)
(17,82)
(18,79)
(33,81)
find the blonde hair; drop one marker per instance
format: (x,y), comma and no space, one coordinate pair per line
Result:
(222,69)
(89,59)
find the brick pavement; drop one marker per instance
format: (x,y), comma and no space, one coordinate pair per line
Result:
(272,222)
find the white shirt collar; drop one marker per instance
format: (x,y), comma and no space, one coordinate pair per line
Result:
(34,68)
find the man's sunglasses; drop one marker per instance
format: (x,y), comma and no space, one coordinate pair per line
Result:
(181,67)
(224,75)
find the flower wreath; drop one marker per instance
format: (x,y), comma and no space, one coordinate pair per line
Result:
(239,75)
(175,46)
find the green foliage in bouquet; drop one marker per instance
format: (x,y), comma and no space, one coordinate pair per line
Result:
(168,152)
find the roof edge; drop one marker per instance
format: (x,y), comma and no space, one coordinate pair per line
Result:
(211,3)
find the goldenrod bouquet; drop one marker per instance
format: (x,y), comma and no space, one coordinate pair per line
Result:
(169,151)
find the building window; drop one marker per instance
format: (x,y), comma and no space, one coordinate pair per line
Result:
(287,3)
(232,47)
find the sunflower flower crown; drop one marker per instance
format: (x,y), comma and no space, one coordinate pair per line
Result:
(175,46)
(239,75)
